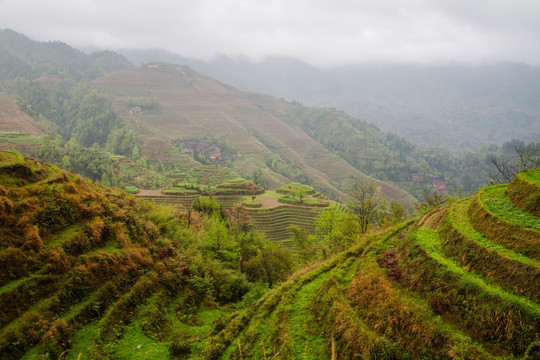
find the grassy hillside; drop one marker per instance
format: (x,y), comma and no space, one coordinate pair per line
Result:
(12,119)
(448,286)
(189,105)
(92,273)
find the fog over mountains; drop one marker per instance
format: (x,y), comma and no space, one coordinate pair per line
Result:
(460,107)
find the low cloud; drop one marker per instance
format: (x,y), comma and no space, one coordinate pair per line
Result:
(320,32)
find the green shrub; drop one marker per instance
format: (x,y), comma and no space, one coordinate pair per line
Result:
(55,215)
(131,189)
(232,286)
(252,203)
(533,351)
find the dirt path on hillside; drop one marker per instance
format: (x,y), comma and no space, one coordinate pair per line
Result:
(143,192)
(432,218)
(269,202)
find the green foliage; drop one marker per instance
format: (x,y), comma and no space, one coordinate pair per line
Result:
(271,265)
(365,201)
(121,142)
(131,189)
(105,181)
(305,245)
(498,203)
(23,57)
(218,239)
(56,213)
(282,165)
(66,109)
(210,207)
(252,203)
(255,292)
(258,177)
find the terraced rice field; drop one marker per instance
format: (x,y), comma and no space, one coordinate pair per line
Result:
(274,222)
(446,287)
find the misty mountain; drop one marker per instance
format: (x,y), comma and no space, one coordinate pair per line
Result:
(455,106)
(21,56)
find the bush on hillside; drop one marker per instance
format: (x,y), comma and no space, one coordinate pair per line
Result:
(131,189)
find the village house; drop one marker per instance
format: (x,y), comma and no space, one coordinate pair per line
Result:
(417,177)
(206,148)
(439,184)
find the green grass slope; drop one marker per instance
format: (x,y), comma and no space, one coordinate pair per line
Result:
(447,286)
(89,272)
(93,273)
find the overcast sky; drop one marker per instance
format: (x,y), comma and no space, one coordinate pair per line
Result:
(320,32)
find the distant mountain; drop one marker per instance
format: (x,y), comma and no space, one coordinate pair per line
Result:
(459,107)
(21,56)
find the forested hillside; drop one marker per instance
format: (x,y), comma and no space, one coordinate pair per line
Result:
(271,141)
(188,105)
(26,58)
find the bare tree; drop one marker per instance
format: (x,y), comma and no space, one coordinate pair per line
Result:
(364,200)
(525,157)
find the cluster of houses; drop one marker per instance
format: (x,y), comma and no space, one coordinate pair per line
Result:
(437,182)
(205,148)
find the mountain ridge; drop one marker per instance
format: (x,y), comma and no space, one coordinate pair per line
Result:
(442,101)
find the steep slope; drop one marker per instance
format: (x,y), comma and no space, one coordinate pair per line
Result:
(186,104)
(448,286)
(86,271)
(460,107)
(13,119)
(92,273)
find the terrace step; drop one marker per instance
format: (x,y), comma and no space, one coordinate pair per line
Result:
(472,250)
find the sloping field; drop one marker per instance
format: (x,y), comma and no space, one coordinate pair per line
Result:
(91,273)
(450,288)
(524,192)
(274,222)
(13,119)
(191,105)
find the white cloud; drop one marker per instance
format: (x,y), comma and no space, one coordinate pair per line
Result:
(321,32)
